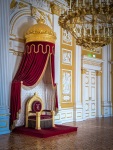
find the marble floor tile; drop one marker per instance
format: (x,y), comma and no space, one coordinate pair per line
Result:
(92,134)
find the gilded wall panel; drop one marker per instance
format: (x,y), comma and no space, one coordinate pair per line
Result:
(67,69)
(66,57)
(66,38)
(66,86)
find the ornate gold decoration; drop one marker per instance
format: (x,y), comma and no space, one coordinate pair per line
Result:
(17,53)
(40,32)
(49,18)
(35,12)
(90,22)
(55,9)
(21,5)
(66,38)
(13,4)
(66,57)
(31,48)
(18,40)
(98,73)
(83,71)
(5,122)
(92,63)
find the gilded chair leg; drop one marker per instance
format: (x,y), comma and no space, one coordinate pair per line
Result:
(53,125)
(37,121)
(26,125)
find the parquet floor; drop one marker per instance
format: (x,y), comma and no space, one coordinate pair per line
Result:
(92,134)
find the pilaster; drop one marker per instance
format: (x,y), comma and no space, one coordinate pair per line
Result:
(56,29)
(99,93)
(106,84)
(78,99)
(4,67)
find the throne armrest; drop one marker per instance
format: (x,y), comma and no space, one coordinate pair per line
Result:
(51,111)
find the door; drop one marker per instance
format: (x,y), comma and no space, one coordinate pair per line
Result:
(89,94)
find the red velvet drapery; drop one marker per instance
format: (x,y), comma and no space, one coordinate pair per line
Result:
(31,70)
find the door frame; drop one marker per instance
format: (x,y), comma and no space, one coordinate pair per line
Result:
(90,63)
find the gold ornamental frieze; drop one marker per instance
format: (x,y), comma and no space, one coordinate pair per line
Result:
(22,5)
(40,37)
(15,3)
(92,63)
(17,53)
(55,9)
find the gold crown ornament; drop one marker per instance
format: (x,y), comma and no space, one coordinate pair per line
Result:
(40,32)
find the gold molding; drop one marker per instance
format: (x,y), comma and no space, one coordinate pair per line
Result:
(18,40)
(40,37)
(57,117)
(55,9)
(69,46)
(69,117)
(91,63)
(5,125)
(98,73)
(4,114)
(83,71)
(63,115)
(26,13)
(17,53)
(42,13)
(22,5)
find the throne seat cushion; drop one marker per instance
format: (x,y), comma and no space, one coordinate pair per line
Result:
(43,123)
(42,117)
(46,117)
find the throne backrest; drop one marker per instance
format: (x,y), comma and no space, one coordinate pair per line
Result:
(34,104)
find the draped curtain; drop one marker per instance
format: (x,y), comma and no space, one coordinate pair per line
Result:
(31,70)
(49,92)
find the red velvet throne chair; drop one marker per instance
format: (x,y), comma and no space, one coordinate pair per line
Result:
(35,116)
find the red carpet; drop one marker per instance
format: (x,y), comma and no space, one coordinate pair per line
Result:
(44,133)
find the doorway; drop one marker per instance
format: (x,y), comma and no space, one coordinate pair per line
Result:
(89,94)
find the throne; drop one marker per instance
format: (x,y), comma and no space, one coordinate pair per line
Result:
(36,117)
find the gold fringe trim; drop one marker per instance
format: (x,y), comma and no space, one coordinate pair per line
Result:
(40,46)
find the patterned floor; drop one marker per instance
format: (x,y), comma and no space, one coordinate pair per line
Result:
(93,134)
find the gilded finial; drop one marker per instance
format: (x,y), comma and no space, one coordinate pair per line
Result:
(41,20)
(40,32)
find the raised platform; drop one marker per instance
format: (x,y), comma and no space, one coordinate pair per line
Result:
(44,133)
